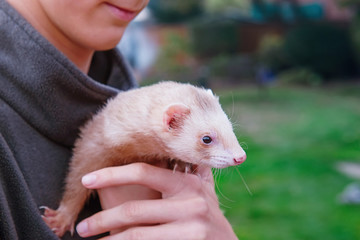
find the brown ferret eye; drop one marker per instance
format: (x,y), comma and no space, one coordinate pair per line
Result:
(207,140)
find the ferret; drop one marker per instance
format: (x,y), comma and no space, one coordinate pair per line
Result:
(162,122)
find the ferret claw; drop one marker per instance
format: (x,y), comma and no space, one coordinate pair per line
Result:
(44,211)
(47,212)
(175,166)
(187,168)
(56,221)
(44,208)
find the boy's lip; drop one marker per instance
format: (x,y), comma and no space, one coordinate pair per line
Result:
(122,13)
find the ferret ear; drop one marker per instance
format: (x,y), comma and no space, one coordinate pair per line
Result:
(174,116)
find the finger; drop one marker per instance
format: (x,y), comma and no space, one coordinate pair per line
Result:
(159,179)
(147,212)
(173,231)
(205,173)
(206,176)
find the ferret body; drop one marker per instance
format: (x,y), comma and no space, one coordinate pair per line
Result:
(164,121)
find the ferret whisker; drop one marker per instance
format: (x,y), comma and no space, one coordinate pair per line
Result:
(200,164)
(244,145)
(223,205)
(218,157)
(195,169)
(243,180)
(233,105)
(220,192)
(179,183)
(216,174)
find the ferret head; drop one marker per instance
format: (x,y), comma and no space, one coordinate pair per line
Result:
(199,132)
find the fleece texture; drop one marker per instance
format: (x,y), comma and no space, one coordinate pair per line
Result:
(44,99)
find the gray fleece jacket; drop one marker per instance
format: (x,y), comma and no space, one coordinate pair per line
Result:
(44,99)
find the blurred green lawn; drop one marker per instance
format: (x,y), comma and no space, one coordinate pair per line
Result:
(293,137)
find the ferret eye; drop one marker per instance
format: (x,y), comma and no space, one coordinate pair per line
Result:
(207,140)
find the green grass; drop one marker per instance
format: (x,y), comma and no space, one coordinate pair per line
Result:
(294,137)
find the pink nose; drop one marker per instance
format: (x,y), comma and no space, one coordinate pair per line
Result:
(239,160)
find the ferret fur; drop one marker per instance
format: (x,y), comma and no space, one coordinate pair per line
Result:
(164,121)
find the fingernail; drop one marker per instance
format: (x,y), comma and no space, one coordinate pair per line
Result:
(82,228)
(88,179)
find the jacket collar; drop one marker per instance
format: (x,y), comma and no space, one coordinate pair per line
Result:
(49,92)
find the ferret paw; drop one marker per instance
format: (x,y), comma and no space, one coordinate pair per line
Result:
(177,165)
(57,221)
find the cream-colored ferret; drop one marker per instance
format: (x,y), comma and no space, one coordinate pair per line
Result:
(162,122)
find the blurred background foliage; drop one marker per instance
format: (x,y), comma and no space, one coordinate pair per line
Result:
(175,11)
(278,35)
(287,73)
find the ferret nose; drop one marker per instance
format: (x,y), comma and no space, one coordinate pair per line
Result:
(240,160)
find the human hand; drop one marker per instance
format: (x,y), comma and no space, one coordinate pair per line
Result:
(188,208)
